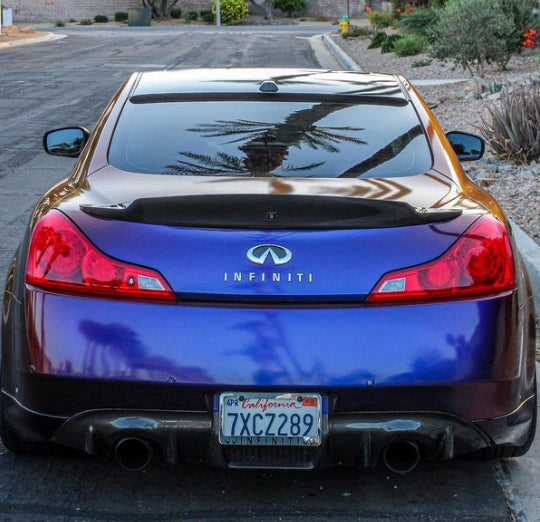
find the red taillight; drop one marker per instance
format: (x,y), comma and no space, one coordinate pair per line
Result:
(479,263)
(62,258)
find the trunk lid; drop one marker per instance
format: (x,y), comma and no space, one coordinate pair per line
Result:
(332,240)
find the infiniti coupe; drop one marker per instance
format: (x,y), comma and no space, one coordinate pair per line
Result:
(268,268)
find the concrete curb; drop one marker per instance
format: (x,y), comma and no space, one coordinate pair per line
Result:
(530,252)
(30,41)
(341,56)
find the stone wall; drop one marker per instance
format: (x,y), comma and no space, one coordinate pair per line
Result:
(52,10)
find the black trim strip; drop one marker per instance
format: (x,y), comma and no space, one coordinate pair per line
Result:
(273,97)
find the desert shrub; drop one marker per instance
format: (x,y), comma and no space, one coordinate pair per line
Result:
(521,12)
(191,16)
(59,23)
(386,19)
(356,31)
(176,13)
(207,16)
(86,21)
(377,39)
(420,21)
(232,11)
(120,16)
(421,63)
(101,19)
(388,45)
(473,33)
(72,21)
(513,129)
(426,3)
(289,6)
(409,45)
(379,20)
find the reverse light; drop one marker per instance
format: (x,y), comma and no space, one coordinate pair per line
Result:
(62,258)
(479,263)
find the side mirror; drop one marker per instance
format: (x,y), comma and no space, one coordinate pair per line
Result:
(67,141)
(468,147)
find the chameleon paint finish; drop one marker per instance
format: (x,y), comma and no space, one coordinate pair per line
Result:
(464,366)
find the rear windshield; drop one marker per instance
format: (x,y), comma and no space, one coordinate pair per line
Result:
(270,138)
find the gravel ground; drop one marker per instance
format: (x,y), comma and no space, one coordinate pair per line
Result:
(517,188)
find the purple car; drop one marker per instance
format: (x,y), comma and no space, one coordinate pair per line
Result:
(268,268)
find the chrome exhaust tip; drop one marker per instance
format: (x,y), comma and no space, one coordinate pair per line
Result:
(133,454)
(401,457)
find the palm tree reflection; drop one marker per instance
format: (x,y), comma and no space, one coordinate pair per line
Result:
(115,351)
(266,145)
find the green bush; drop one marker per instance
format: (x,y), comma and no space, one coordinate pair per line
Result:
(207,16)
(386,19)
(120,16)
(86,21)
(514,130)
(521,12)
(101,19)
(289,6)
(388,45)
(191,16)
(420,21)
(421,63)
(176,13)
(59,23)
(377,39)
(232,11)
(356,31)
(473,33)
(409,45)
(72,21)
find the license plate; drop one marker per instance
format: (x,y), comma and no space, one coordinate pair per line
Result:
(259,419)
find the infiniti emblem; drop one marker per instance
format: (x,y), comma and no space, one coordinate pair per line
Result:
(260,253)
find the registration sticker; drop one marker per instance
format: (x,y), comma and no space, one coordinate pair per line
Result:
(259,419)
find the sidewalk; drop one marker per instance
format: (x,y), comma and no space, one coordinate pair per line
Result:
(27,39)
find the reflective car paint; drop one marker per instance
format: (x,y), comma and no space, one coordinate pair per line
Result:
(338,264)
(280,346)
(473,358)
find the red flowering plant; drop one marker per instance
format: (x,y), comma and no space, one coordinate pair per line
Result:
(532,39)
(398,7)
(373,17)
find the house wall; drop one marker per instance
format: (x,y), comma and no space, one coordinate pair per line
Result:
(52,10)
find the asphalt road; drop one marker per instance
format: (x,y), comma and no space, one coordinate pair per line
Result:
(69,81)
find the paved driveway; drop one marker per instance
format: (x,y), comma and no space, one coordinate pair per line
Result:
(68,82)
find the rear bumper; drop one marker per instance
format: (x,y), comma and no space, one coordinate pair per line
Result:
(264,345)
(349,439)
